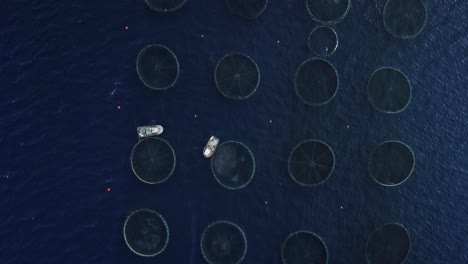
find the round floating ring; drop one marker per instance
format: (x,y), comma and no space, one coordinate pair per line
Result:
(153,160)
(233,165)
(237,76)
(404,18)
(249,9)
(303,247)
(389,90)
(316,82)
(391,163)
(146,233)
(327,11)
(311,163)
(223,242)
(158,67)
(323,41)
(388,244)
(165,6)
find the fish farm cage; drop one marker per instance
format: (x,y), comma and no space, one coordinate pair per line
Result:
(146,233)
(249,9)
(237,76)
(311,163)
(233,165)
(304,247)
(158,67)
(323,41)
(391,163)
(165,6)
(316,82)
(326,11)
(389,90)
(153,160)
(405,18)
(388,244)
(223,242)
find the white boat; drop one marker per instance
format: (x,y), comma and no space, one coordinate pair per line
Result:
(210,147)
(148,131)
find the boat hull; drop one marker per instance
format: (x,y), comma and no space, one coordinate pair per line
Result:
(210,147)
(149,131)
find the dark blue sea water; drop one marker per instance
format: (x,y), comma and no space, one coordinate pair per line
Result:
(66,65)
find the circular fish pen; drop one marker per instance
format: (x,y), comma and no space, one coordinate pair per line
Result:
(311,163)
(165,6)
(304,247)
(404,18)
(388,244)
(146,233)
(233,165)
(316,82)
(153,160)
(391,163)
(237,76)
(323,41)
(328,11)
(249,9)
(389,90)
(158,67)
(223,242)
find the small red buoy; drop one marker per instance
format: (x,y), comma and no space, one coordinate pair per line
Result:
(126,27)
(118,107)
(108,189)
